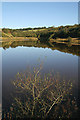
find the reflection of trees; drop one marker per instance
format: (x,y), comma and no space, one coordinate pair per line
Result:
(41,97)
(74,49)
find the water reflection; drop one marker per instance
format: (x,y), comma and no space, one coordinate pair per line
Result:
(41,96)
(74,49)
(20,55)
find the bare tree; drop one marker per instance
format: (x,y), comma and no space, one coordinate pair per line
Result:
(39,96)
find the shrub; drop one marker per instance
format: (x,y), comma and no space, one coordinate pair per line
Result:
(44,36)
(39,97)
(69,41)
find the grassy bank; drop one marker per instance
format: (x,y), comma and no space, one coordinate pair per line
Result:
(72,41)
(7,39)
(44,34)
(66,35)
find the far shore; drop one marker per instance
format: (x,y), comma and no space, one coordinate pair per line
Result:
(74,41)
(6,39)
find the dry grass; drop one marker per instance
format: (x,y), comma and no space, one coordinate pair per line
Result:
(74,41)
(7,39)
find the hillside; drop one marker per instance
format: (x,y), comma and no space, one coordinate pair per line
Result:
(61,31)
(62,34)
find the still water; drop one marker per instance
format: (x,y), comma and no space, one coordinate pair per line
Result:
(20,58)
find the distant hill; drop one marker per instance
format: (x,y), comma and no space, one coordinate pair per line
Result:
(51,32)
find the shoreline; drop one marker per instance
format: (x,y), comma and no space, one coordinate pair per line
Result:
(6,39)
(74,41)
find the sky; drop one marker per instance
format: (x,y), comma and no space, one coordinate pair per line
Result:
(40,0)
(39,14)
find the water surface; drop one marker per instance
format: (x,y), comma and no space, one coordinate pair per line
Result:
(20,58)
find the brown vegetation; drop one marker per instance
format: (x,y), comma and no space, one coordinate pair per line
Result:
(40,96)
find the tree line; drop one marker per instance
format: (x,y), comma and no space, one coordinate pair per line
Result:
(45,34)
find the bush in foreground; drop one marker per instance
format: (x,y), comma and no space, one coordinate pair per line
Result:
(41,97)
